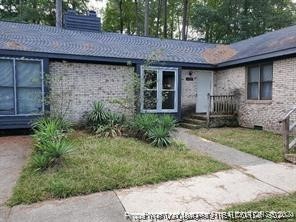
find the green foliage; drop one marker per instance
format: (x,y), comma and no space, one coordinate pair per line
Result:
(226,21)
(49,129)
(57,150)
(154,128)
(159,136)
(142,123)
(103,122)
(51,144)
(40,162)
(97,116)
(37,11)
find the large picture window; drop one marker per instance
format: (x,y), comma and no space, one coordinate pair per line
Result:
(260,82)
(21,87)
(159,89)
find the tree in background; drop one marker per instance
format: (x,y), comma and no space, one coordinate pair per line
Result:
(36,11)
(225,21)
(163,17)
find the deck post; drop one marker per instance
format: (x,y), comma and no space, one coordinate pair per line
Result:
(209,110)
(286,132)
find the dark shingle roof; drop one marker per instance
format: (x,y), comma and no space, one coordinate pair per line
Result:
(48,39)
(281,39)
(40,38)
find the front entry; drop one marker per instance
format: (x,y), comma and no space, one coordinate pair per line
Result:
(204,87)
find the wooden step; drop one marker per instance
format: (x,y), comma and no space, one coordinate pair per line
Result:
(194,121)
(192,126)
(198,116)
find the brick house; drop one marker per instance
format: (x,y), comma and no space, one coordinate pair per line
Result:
(95,65)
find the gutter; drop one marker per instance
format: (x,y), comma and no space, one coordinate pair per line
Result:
(268,55)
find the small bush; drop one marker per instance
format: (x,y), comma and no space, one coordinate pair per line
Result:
(97,116)
(156,129)
(142,123)
(56,150)
(103,122)
(49,129)
(40,162)
(51,146)
(159,136)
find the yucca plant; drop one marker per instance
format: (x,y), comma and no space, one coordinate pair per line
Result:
(40,162)
(142,123)
(168,122)
(56,151)
(159,136)
(47,129)
(97,116)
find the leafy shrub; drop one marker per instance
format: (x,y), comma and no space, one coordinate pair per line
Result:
(154,128)
(103,122)
(49,129)
(97,116)
(56,150)
(159,136)
(51,146)
(40,162)
(142,123)
(168,122)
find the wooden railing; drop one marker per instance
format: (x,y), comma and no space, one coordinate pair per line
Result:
(221,105)
(287,131)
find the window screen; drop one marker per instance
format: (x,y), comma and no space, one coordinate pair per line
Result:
(20,87)
(6,87)
(260,82)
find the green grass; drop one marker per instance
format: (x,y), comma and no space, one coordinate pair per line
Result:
(259,143)
(276,203)
(100,164)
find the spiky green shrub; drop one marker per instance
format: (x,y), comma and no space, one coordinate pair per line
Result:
(50,141)
(159,136)
(103,122)
(97,116)
(142,123)
(168,122)
(153,128)
(40,162)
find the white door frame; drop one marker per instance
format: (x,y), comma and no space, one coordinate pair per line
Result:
(212,85)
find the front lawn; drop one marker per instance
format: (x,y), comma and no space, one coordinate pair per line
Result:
(260,143)
(99,164)
(277,203)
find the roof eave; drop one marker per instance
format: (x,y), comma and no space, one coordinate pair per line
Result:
(264,56)
(86,58)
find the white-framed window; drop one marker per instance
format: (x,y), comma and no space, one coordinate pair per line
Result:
(21,87)
(159,89)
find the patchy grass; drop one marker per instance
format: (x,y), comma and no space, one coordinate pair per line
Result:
(100,164)
(276,203)
(260,143)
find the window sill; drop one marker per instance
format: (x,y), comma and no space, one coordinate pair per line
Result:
(267,102)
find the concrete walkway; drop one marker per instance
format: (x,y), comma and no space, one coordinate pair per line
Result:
(14,151)
(225,154)
(250,179)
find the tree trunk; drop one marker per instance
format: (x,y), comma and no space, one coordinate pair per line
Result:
(158,17)
(121,16)
(59,14)
(184,23)
(146,21)
(165,20)
(137,17)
